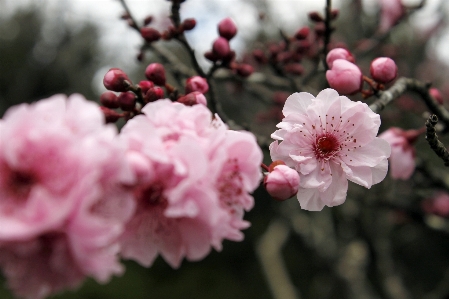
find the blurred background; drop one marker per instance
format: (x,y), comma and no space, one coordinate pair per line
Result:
(381,243)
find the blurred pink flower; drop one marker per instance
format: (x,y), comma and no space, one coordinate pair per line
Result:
(63,206)
(437,205)
(194,176)
(329,140)
(402,159)
(391,11)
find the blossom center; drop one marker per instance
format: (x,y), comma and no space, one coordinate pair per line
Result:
(20,183)
(326,146)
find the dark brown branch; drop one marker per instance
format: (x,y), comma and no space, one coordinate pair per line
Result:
(327,31)
(433,141)
(422,89)
(130,16)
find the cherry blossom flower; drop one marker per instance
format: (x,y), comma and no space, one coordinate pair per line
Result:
(63,204)
(194,176)
(329,140)
(402,159)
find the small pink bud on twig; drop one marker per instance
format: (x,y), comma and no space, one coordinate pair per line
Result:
(196,83)
(154,94)
(109,100)
(193,98)
(150,34)
(383,70)
(221,47)
(227,28)
(115,79)
(127,101)
(155,72)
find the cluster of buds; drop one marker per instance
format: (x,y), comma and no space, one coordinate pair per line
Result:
(122,94)
(173,32)
(347,78)
(222,53)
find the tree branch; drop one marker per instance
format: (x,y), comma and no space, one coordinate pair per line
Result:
(433,141)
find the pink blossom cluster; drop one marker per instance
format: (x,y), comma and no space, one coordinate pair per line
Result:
(76,196)
(194,177)
(64,201)
(329,140)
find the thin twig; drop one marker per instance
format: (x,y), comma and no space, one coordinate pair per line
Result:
(433,141)
(327,31)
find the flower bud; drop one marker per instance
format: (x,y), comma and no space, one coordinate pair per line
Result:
(110,115)
(383,70)
(193,98)
(154,94)
(436,94)
(145,86)
(282,182)
(155,72)
(345,77)
(109,100)
(196,83)
(437,205)
(302,33)
(211,56)
(150,34)
(221,47)
(338,53)
(227,28)
(259,56)
(315,17)
(115,79)
(188,24)
(127,101)
(244,70)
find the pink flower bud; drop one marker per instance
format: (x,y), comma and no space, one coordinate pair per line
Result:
(244,70)
(302,33)
(145,86)
(211,56)
(436,94)
(227,28)
(115,79)
(196,83)
(155,72)
(282,183)
(345,77)
(383,70)
(188,24)
(315,17)
(150,34)
(259,56)
(437,205)
(221,47)
(338,53)
(193,98)
(127,101)
(154,94)
(110,115)
(109,100)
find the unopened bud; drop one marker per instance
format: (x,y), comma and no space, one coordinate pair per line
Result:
(345,77)
(127,101)
(145,86)
(338,53)
(302,33)
(282,182)
(436,94)
(110,116)
(211,56)
(150,34)
(244,70)
(148,20)
(383,70)
(155,72)
(188,24)
(227,28)
(259,56)
(154,94)
(196,83)
(221,47)
(315,17)
(109,100)
(193,98)
(115,79)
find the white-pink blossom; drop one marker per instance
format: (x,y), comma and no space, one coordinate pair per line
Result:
(194,176)
(391,11)
(402,159)
(329,140)
(63,204)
